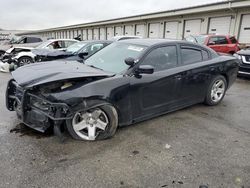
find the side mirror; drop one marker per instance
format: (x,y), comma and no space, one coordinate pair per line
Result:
(130,61)
(145,69)
(83,54)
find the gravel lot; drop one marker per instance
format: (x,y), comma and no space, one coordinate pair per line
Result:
(196,146)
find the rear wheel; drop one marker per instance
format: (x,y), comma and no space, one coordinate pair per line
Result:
(216,91)
(94,124)
(25,61)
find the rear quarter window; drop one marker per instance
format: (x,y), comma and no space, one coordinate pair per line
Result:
(191,55)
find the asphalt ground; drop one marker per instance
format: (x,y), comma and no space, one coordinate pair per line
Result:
(196,146)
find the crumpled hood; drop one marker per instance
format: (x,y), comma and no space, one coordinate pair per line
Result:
(50,53)
(46,72)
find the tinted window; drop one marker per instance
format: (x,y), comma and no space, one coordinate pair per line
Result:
(190,55)
(33,40)
(218,40)
(162,58)
(233,40)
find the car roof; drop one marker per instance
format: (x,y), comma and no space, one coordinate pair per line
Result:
(96,41)
(53,40)
(148,42)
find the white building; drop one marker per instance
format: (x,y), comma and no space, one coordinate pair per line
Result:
(227,17)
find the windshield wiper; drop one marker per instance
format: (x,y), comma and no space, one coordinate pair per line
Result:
(95,67)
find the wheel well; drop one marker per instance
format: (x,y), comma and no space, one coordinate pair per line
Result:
(25,57)
(226,77)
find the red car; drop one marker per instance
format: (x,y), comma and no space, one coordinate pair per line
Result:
(219,43)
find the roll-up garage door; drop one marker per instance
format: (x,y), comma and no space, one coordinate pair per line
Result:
(75,33)
(118,31)
(129,30)
(102,34)
(154,30)
(96,34)
(220,25)
(90,34)
(110,33)
(140,30)
(84,34)
(171,30)
(192,27)
(244,36)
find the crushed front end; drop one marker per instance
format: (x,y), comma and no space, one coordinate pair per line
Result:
(34,109)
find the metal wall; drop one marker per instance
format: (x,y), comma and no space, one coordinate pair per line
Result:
(232,22)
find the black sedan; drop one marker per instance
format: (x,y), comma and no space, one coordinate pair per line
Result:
(125,83)
(78,51)
(244,57)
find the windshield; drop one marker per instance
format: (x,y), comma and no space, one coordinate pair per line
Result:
(111,58)
(15,39)
(200,39)
(76,47)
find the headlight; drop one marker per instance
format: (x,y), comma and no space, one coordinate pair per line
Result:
(238,56)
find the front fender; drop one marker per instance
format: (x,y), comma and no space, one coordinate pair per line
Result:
(25,54)
(114,90)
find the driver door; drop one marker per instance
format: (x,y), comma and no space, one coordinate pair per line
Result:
(155,93)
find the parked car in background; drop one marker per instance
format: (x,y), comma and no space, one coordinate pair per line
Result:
(77,51)
(19,56)
(24,41)
(244,66)
(25,57)
(219,43)
(127,82)
(125,37)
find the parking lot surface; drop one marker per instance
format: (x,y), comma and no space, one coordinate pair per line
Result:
(196,146)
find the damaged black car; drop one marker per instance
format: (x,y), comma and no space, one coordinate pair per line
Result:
(125,83)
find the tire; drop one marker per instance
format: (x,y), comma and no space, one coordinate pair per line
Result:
(103,120)
(24,61)
(216,91)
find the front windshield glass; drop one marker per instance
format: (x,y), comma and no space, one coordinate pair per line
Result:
(76,47)
(15,39)
(112,58)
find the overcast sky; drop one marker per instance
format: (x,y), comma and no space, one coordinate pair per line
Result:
(42,14)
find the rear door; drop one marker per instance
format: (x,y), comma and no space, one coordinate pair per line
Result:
(195,75)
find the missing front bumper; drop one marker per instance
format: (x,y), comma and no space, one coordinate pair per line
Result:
(34,111)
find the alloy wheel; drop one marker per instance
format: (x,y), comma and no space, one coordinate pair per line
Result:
(88,125)
(218,91)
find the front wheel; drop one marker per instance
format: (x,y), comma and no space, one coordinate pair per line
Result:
(25,61)
(216,91)
(94,124)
